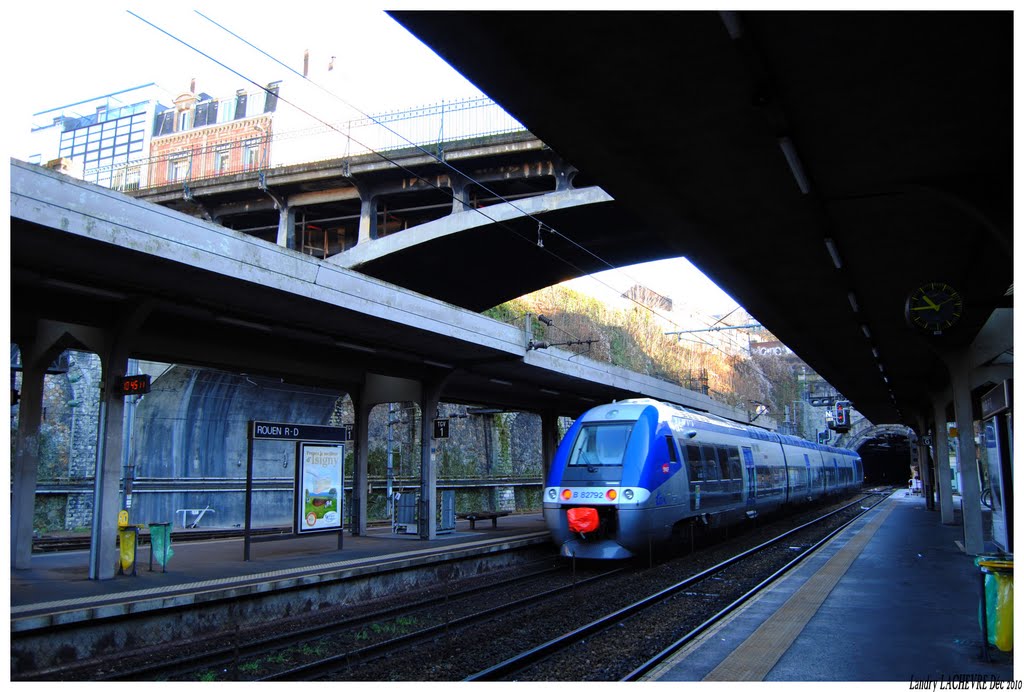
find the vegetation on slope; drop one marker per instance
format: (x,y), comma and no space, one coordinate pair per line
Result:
(634,338)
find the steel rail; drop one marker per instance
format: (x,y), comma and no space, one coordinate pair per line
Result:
(316,669)
(661,656)
(528,658)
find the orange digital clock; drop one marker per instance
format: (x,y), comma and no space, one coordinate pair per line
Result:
(133,384)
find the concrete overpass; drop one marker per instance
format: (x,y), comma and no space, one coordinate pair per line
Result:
(819,166)
(100,271)
(461,227)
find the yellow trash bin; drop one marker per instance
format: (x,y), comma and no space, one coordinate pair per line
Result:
(997,603)
(128,539)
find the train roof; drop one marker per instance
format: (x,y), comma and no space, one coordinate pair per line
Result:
(701,419)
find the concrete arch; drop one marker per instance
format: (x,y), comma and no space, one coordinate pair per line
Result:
(857,440)
(368,251)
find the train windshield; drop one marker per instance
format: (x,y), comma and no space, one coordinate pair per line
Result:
(600,445)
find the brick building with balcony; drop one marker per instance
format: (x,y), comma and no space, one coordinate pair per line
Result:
(200,136)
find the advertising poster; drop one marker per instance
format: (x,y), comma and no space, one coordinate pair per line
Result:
(320,488)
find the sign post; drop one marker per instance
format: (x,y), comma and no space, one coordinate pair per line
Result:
(319,471)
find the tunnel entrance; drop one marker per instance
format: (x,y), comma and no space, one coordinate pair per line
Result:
(886,460)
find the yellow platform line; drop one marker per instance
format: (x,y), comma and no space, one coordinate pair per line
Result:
(756,656)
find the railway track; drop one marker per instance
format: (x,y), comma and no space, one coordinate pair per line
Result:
(242,653)
(460,630)
(464,648)
(323,668)
(626,634)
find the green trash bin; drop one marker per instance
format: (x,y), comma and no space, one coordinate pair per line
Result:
(996,610)
(160,544)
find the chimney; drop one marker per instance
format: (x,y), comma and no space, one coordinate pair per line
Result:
(305,63)
(192,88)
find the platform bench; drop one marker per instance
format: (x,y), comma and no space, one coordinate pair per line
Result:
(474,517)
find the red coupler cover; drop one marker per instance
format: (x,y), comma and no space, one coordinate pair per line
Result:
(583,519)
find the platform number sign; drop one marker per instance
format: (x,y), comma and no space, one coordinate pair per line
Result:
(441,428)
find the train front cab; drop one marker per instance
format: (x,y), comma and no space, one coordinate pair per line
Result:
(613,478)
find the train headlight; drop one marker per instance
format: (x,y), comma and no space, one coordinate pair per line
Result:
(611,494)
(567,494)
(628,494)
(552,493)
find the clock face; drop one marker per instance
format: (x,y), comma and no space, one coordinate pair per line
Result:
(934,307)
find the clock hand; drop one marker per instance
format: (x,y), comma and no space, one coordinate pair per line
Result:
(928,300)
(933,306)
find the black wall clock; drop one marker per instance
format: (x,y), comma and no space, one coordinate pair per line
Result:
(934,307)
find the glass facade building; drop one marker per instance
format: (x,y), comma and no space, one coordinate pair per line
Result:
(106,138)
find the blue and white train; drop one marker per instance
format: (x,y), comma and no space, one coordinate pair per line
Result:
(631,475)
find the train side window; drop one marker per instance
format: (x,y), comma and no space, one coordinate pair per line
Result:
(710,462)
(695,463)
(723,463)
(735,467)
(673,455)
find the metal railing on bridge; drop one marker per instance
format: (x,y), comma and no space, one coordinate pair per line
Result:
(429,127)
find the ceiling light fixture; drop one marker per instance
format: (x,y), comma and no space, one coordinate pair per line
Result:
(354,347)
(243,323)
(795,167)
(834,252)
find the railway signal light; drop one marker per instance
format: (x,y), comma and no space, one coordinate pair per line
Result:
(842,414)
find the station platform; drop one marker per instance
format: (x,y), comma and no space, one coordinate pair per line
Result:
(892,599)
(57,588)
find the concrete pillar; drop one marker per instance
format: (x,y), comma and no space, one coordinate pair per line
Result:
(427,511)
(367,218)
(360,473)
(944,480)
(286,227)
(970,483)
(564,174)
(460,194)
(35,358)
(549,441)
(922,462)
(113,347)
(107,491)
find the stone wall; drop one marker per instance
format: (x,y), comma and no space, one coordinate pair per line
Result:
(191,429)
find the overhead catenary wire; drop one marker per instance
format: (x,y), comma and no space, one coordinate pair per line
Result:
(541,226)
(440,160)
(580,271)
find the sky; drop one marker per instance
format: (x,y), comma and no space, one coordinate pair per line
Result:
(62,52)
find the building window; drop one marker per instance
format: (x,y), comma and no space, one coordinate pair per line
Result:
(182,121)
(222,159)
(252,156)
(177,169)
(132,178)
(127,178)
